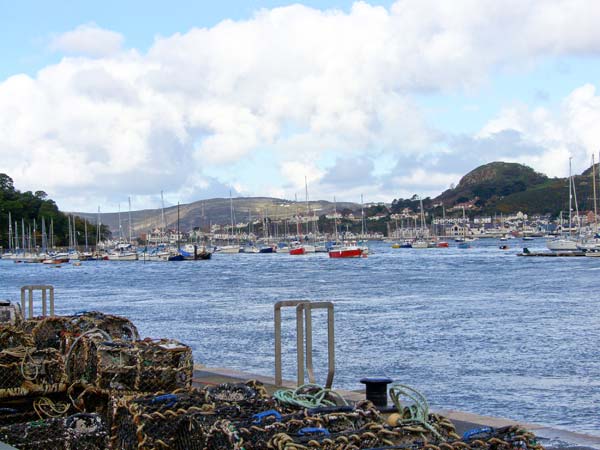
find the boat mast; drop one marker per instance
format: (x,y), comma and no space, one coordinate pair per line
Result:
(86,235)
(576,205)
(164,222)
(74,235)
(362,218)
(10,233)
(16,235)
(129,200)
(594,189)
(120,227)
(570,195)
(98,229)
(335,219)
(52,233)
(44,237)
(231,214)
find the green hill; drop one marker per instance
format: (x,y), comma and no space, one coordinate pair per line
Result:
(491,182)
(27,210)
(511,187)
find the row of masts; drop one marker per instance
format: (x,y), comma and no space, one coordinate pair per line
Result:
(27,239)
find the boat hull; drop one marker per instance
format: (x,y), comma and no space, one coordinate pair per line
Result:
(561,244)
(346,253)
(123,257)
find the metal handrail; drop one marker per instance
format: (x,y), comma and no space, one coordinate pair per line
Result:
(308,307)
(304,311)
(299,340)
(37,287)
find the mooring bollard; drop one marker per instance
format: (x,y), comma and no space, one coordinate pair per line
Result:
(377,390)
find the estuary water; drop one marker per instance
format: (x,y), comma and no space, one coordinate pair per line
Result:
(478,330)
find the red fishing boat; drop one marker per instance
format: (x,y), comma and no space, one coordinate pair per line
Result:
(347,251)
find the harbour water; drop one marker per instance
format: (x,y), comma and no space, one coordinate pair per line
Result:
(477,329)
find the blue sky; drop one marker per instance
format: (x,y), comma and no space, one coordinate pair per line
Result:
(101,101)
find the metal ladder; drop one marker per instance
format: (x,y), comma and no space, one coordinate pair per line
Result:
(37,287)
(304,327)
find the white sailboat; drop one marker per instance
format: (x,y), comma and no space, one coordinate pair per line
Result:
(567,243)
(230,248)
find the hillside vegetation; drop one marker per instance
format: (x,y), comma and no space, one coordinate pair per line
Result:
(29,207)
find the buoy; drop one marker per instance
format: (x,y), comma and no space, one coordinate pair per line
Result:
(77,264)
(393,419)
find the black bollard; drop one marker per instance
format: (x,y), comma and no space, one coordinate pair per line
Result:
(377,390)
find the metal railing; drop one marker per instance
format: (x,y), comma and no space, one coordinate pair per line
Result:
(45,289)
(304,327)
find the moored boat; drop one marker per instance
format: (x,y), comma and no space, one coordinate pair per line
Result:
(346,252)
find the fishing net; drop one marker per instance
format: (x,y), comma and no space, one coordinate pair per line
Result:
(116,327)
(265,429)
(52,332)
(11,337)
(10,313)
(184,418)
(31,408)
(90,399)
(177,420)
(60,331)
(80,431)
(120,366)
(26,370)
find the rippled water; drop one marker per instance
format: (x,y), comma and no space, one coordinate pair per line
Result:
(478,330)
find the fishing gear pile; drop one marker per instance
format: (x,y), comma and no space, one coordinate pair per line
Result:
(87,381)
(183,419)
(61,376)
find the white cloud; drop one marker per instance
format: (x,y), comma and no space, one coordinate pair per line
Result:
(297,81)
(568,131)
(88,40)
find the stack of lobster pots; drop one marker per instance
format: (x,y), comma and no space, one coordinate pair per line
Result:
(61,375)
(88,382)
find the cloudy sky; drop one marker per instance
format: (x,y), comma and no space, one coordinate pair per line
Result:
(381,98)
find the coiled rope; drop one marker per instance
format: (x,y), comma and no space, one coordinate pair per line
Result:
(417,412)
(309,396)
(45,407)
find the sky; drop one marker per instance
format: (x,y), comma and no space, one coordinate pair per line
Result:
(102,101)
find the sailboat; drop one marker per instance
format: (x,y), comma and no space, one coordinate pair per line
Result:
(420,242)
(563,243)
(591,246)
(346,250)
(464,244)
(230,248)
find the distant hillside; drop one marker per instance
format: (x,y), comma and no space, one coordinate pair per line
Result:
(511,187)
(213,211)
(491,182)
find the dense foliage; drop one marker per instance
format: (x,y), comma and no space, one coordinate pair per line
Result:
(30,206)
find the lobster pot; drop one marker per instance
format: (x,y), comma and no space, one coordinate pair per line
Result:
(60,332)
(183,419)
(116,327)
(164,365)
(51,332)
(11,337)
(79,431)
(10,313)
(142,366)
(266,428)
(27,370)
(31,408)
(250,396)
(177,421)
